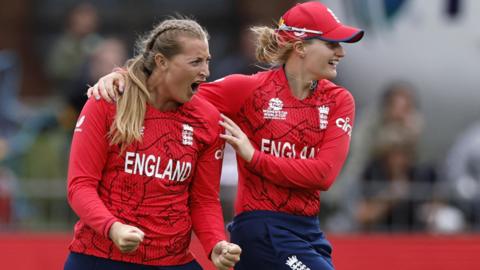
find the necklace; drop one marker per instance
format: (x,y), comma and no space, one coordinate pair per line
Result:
(311,84)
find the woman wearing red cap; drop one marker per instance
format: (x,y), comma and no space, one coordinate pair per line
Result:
(292,138)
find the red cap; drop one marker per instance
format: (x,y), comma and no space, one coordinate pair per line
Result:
(315,20)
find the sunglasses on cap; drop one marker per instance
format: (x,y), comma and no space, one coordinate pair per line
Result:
(285,27)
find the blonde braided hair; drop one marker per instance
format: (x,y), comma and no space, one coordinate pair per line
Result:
(132,105)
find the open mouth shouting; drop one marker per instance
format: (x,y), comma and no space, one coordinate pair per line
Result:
(195,85)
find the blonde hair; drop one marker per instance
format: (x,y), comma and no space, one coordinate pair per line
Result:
(132,105)
(270,47)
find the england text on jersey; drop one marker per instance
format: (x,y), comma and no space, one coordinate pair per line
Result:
(149,165)
(286,149)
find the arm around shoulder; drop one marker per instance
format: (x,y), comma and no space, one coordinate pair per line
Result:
(228,94)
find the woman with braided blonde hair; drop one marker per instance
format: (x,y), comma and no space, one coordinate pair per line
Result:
(145,171)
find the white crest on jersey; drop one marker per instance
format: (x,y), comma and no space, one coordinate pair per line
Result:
(187,135)
(323,115)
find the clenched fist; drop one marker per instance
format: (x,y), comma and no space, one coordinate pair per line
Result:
(225,255)
(127,238)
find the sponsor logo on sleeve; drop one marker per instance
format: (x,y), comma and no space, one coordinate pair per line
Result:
(344,125)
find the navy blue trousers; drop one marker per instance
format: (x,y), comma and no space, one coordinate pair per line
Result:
(280,241)
(77,261)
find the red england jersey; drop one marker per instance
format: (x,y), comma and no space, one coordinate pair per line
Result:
(163,185)
(301,145)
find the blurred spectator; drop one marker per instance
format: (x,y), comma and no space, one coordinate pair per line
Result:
(463,173)
(48,134)
(394,187)
(396,118)
(14,116)
(396,121)
(107,54)
(7,186)
(241,60)
(9,91)
(72,48)
(397,192)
